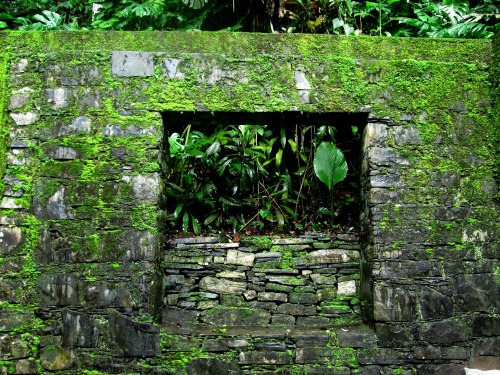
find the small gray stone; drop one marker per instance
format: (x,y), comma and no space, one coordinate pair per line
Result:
(56,359)
(240,258)
(27,118)
(10,239)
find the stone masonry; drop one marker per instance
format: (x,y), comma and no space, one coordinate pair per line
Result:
(90,283)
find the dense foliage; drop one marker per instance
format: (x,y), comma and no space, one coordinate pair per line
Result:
(422,18)
(257,178)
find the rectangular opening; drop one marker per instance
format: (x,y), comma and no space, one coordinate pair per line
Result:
(254,173)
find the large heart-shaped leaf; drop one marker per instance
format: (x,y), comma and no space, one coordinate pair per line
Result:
(329,164)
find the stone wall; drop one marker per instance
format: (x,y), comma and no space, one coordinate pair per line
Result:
(88,284)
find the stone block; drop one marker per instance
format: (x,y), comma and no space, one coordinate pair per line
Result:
(313,321)
(58,289)
(132,64)
(133,339)
(12,347)
(446,332)
(264,358)
(27,118)
(57,358)
(223,286)
(212,366)
(347,288)
(326,256)
(240,258)
(10,239)
(172,316)
(79,330)
(489,346)
(441,369)
(282,320)
(237,316)
(393,304)
(272,296)
(304,298)
(356,337)
(394,335)
(296,309)
(486,325)
(478,293)
(435,305)
(26,367)
(54,207)
(440,352)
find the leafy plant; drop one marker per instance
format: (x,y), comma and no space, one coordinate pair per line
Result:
(330,166)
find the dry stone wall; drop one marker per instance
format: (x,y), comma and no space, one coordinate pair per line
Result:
(90,284)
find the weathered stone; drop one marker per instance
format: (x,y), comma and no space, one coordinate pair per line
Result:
(356,337)
(406,136)
(26,367)
(57,358)
(438,352)
(240,257)
(212,366)
(393,304)
(79,330)
(272,296)
(59,290)
(311,321)
(229,316)
(489,346)
(435,305)
(178,317)
(130,64)
(12,347)
(58,97)
(445,332)
(441,369)
(305,298)
(393,335)
(347,288)
(486,325)
(144,188)
(27,118)
(231,275)
(478,293)
(224,286)
(133,339)
(10,239)
(333,256)
(282,320)
(296,309)
(264,358)
(320,279)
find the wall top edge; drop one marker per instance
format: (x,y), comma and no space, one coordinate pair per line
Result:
(305,45)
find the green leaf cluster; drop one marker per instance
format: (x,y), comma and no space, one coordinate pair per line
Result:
(247,175)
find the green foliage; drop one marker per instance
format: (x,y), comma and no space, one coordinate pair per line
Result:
(423,18)
(244,175)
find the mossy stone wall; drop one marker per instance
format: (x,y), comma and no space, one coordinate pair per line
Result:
(82,257)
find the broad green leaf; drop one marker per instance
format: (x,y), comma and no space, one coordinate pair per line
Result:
(210,218)
(185,222)
(178,210)
(196,225)
(279,218)
(279,157)
(330,165)
(214,148)
(293,145)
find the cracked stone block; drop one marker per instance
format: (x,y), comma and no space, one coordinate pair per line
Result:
(79,330)
(240,257)
(215,285)
(393,304)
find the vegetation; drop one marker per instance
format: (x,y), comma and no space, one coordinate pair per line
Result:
(422,18)
(253,177)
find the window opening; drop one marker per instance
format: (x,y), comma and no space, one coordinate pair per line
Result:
(253,173)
